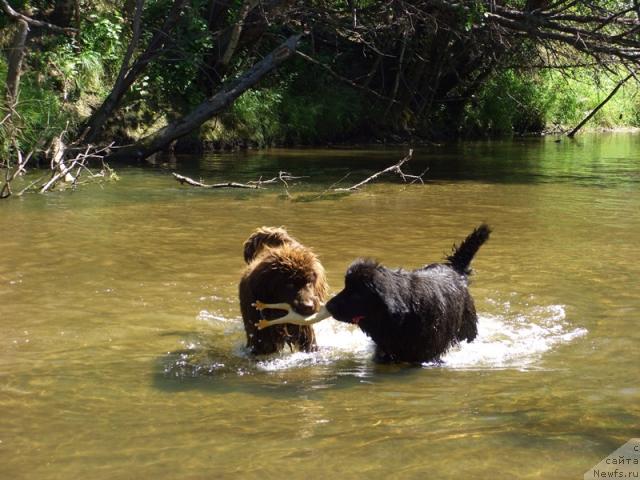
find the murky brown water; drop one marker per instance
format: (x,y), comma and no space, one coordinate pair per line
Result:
(122,352)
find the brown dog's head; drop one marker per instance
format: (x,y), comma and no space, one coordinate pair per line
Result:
(266,237)
(291,274)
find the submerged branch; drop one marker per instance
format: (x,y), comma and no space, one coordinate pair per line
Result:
(396,168)
(285,177)
(190,181)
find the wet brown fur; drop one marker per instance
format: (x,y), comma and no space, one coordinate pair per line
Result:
(280,269)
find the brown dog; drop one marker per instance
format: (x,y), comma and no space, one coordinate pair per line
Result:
(280,269)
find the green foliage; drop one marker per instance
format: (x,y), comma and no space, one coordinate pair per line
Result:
(253,118)
(73,70)
(63,75)
(40,115)
(304,106)
(578,92)
(319,108)
(509,102)
(328,114)
(517,102)
(103,34)
(171,81)
(301,103)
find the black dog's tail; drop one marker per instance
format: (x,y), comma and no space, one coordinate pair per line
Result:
(461,257)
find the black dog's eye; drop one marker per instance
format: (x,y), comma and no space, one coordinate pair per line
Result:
(290,286)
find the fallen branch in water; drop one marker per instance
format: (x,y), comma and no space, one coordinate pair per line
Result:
(396,168)
(63,169)
(282,177)
(10,175)
(285,177)
(252,184)
(190,181)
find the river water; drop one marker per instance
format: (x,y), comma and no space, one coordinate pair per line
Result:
(122,349)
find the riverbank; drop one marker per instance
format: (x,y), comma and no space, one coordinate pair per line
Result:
(196,146)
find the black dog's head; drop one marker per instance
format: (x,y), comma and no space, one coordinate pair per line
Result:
(367,297)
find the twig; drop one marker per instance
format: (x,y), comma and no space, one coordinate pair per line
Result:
(393,168)
(282,177)
(79,160)
(572,133)
(190,181)
(345,79)
(286,176)
(32,21)
(331,187)
(6,191)
(21,192)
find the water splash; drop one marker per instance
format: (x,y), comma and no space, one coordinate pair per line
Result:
(511,340)
(516,337)
(336,341)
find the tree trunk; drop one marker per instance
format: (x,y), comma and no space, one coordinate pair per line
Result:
(236,30)
(14,69)
(129,74)
(573,132)
(209,108)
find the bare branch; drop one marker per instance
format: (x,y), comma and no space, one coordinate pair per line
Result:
(573,132)
(396,168)
(190,181)
(31,21)
(345,79)
(282,177)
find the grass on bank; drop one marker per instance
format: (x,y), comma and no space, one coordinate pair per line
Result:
(513,102)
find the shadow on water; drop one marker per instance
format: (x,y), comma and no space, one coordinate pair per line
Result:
(207,367)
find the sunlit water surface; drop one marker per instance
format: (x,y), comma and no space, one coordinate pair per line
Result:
(122,349)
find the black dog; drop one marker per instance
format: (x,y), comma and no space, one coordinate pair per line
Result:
(412,316)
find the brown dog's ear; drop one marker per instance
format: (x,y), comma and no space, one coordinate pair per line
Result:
(266,237)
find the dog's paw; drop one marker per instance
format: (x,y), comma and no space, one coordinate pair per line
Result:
(259,305)
(262,324)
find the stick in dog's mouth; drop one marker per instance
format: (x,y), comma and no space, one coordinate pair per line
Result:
(291,317)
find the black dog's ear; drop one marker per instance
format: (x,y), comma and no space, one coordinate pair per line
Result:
(366,277)
(386,287)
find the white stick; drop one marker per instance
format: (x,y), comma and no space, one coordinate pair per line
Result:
(275,306)
(295,318)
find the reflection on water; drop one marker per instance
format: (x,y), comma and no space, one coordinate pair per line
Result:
(123,350)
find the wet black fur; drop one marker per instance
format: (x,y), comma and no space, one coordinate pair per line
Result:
(412,316)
